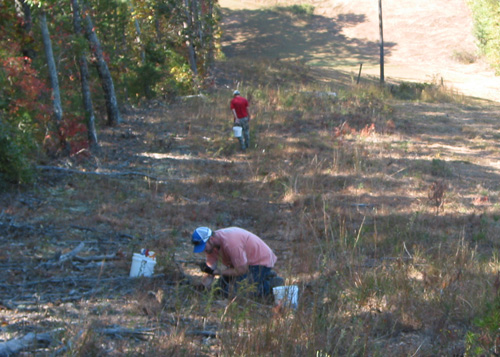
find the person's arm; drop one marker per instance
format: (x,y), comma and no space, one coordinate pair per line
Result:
(238,271)
(234,114)
(210,262)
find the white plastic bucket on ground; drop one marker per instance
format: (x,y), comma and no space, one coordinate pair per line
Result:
(287,296)
(237,131)
(142,266)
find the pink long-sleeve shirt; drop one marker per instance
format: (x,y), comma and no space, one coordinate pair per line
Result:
(239,247)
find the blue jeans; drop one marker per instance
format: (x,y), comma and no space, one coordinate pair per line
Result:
(257,275)
(244,139)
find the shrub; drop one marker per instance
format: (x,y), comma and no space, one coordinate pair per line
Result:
(485,340)
(486,14)
(15,167)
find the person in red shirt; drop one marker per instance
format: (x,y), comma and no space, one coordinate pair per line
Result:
(246,257)
(239,108)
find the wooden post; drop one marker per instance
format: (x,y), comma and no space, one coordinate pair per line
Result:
(381,42)
(359,74)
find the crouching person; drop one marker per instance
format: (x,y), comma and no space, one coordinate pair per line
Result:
(248,261)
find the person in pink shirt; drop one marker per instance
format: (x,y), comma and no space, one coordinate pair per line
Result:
(239,108)
(246,259)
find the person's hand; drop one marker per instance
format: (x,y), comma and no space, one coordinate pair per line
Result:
(206,269)
(207,281)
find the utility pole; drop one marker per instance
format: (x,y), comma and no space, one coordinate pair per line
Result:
(381,42)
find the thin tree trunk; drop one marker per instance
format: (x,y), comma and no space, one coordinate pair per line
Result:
(382,79)
(24,11)
(138,30)
(84,78)
(108,87)
(210,34)
(159,35)
(188,27)
(47,45)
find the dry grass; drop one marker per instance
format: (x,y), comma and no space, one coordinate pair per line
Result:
(337,185)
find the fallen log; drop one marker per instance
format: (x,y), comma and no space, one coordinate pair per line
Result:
(31,340)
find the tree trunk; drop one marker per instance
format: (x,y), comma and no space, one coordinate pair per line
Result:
(210,35)
(108,87)
(24,11)
(382,79)
(84,78)
(138,30)
(188,27)
(47,45)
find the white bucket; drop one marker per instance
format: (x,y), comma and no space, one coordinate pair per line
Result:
(287,296)
(142,266)
(237,131)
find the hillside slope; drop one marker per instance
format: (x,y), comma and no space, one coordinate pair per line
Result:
(390,234)
(423,40)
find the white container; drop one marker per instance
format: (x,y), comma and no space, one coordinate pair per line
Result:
(142,266)
(237,131)
(287,296)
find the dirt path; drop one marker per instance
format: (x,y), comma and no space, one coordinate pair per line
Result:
(423,40)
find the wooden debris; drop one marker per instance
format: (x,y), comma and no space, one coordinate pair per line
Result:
(59,258)
(71,254)
(108,174)
(120,332)
(31,340)
(97,258)
(204,333)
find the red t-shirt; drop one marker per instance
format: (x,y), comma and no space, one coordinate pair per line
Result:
(240,247)
(240,105)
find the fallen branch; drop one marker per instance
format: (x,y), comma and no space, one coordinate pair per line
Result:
(61,258)
(90,281)
(96,258)
(71,254)
(108,174)
(121,332)
(89,229)
(15,346)
(204,333)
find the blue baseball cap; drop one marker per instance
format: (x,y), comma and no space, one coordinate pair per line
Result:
(199,238)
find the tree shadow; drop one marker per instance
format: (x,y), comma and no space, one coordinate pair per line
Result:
(317,40)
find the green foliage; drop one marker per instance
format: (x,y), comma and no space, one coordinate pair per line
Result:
(484,339)
(165,74)
(23,115)
(302,10)
(440,168)
(15,167)
(409,90)
(486,14)
(143,79)
(433,92)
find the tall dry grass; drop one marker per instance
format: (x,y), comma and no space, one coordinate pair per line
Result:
(330,183)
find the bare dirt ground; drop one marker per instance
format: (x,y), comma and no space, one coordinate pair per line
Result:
(423,40)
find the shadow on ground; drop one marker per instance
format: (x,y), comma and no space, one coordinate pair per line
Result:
(278,34)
